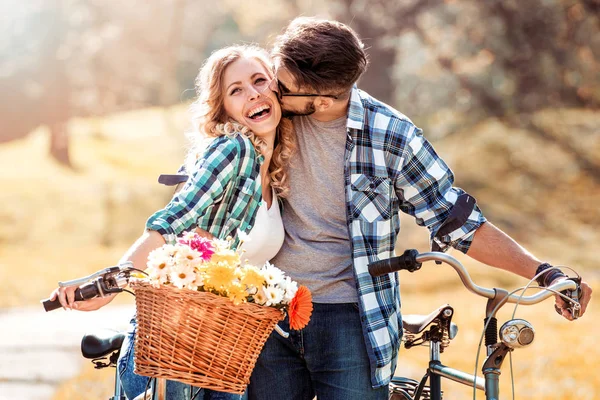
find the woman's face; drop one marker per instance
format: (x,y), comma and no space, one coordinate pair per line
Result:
(247,97)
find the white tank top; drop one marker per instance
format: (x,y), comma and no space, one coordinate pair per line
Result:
(266,237)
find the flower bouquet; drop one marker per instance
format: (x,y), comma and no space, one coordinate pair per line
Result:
(204,315)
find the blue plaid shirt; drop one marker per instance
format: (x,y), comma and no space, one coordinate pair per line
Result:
(389,167)
(222,194)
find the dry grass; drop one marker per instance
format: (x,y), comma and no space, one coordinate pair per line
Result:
(59,224)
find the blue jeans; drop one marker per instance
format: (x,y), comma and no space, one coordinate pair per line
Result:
(327,359)
(133,384)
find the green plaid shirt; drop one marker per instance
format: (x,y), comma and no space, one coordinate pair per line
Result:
(221,195)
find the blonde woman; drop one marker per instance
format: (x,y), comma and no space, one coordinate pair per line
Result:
(233,186)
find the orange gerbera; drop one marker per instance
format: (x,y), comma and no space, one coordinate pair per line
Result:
(300,308)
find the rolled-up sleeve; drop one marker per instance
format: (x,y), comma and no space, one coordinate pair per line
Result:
(424,187)
(205,186)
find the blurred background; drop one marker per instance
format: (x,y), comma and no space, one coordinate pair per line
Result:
(93,106)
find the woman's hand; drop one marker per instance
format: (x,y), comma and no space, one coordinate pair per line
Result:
(66,297)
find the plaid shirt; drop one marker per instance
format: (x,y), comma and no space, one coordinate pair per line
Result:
(221,195)
(389,167)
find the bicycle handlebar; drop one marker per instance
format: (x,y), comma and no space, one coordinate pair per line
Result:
(411,260)
(100,283)
(84,292)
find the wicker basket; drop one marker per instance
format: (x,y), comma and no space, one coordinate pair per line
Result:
(199,338)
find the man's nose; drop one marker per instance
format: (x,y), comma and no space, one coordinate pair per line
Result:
(273,85)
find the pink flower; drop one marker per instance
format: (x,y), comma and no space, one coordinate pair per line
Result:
(198,243)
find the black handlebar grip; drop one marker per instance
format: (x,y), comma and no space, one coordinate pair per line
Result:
(50,305)
(407,261)
(84,292)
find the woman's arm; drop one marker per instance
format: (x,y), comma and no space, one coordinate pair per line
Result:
(137,254)
(206,186)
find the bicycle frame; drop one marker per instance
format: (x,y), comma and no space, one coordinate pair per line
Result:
(119,393)
(496,351)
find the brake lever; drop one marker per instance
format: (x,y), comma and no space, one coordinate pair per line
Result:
(116,279)
(575,295)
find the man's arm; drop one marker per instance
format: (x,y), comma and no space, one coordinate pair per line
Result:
(493,247)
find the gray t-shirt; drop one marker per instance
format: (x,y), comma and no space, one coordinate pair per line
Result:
(316,251)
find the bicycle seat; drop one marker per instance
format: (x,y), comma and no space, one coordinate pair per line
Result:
(415,324)
(101,342)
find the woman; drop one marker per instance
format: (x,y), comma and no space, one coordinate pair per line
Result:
(233,183)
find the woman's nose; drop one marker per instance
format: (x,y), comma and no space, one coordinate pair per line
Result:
(254,93)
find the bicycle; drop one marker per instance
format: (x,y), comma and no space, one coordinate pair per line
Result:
(103,346)
(437,329)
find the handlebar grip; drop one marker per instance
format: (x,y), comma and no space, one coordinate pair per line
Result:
(50,305)
(407,261)
(84,292)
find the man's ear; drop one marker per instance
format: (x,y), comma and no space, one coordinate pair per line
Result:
(323,103)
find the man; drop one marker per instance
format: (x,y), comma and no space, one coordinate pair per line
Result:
(358,163)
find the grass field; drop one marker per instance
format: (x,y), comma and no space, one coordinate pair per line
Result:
(61,223)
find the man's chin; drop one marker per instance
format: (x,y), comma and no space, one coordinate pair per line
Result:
(290,113)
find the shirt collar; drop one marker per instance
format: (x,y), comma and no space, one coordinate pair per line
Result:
(356,111)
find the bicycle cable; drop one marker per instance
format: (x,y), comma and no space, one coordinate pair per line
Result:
(518,302)
(495,309)
(534,279)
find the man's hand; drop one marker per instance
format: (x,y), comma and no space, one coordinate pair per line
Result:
(585,297)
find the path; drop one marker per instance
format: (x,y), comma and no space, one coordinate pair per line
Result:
(39,350)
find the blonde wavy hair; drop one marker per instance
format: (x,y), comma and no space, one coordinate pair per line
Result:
(210,119)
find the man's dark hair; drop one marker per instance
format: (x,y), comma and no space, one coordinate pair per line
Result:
(327,56)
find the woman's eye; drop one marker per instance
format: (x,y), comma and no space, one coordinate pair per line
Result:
(260,80)
(234,91)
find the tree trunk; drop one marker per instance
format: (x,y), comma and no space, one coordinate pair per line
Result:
(59,142)
(56,102)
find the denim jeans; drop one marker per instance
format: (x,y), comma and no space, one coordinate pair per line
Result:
(133,384)
(327,359)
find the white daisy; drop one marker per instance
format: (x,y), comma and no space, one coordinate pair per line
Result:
(273,275)
(186,255)
(273,294)
(197,283)
(159,265)
(182,275)
(260,298)
(291,287)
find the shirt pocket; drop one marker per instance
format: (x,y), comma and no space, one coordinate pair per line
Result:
(240,203)
(371,197)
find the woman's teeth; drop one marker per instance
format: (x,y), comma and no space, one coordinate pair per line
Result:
(258,111)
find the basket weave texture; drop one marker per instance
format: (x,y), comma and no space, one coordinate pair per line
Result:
(199,338)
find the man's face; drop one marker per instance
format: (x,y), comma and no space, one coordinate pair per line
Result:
(291,106)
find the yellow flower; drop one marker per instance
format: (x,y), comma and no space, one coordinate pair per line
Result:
(252,277)
(237,294)
(219,276)
(228,257)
